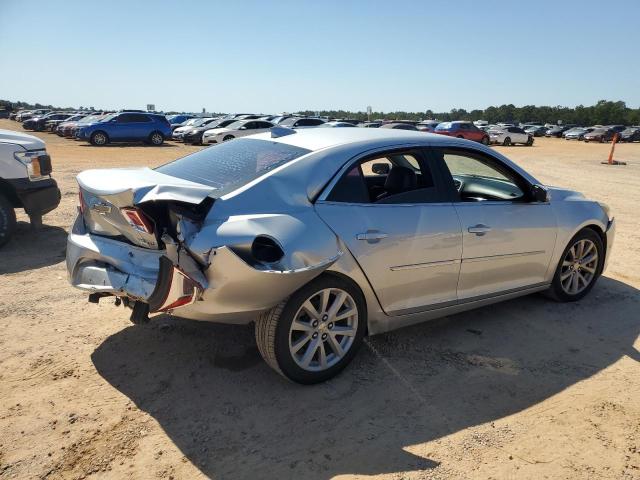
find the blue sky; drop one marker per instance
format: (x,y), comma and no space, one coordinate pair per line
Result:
(273,56)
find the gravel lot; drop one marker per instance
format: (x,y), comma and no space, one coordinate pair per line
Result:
(527,389)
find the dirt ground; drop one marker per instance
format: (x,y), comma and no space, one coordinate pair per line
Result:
(527,389)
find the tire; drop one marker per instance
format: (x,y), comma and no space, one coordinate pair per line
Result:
(228,137)
(562,286)
(156,139)
(485,141)
(99,138)
(506,142)
(7,220)
(529,142)
(276,338)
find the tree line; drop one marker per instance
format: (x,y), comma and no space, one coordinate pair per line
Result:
(604,112)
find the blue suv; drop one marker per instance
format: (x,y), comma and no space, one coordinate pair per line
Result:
(127,127)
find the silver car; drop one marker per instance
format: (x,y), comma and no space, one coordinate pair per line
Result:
(322,236)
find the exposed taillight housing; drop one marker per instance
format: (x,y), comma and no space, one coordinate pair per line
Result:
(81,205)
(137,219)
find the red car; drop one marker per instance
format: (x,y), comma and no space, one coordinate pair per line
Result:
(465,130)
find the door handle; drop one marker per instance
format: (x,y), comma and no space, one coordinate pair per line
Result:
(371,236)
(479,229)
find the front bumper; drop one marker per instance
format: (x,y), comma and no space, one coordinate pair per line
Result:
(39,197)
(611,235)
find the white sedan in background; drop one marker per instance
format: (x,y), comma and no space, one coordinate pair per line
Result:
(179,132)
(241,128)
(510,135)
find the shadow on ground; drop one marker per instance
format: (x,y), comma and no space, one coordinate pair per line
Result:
(33,248)
(233,417)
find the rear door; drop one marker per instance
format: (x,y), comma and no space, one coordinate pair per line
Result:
(405,235)
(508,238)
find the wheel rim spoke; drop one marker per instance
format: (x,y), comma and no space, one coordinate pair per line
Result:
(310,352)
(345,331)
(300,343)
(335,345)
(301,326)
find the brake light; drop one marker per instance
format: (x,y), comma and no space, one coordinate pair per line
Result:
(138,220)
(81,201)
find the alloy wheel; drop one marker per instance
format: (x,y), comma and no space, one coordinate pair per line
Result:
(579,267)
(323,329)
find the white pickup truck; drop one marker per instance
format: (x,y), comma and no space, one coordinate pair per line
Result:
(25,181)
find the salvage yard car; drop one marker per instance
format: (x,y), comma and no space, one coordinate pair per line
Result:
(25,181)
(150,128)
(324,235)
(510,135)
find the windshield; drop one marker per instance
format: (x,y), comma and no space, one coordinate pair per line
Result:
(230,165)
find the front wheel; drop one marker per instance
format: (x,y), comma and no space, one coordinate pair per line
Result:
(579,268)
(315,333)
(485,140)
(529,141)
(7,220)
(227,138)
(506,142)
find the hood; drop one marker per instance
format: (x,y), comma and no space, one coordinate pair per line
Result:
(558,193)
(138,185)
(28,142)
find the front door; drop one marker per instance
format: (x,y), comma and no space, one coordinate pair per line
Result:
(390,212)
(508,237)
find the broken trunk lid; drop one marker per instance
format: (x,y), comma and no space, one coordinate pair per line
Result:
(118,202)
(128,187)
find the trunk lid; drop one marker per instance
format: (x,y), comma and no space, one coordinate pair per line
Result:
(138,204)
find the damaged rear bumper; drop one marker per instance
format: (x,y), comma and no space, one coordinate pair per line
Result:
(228,291)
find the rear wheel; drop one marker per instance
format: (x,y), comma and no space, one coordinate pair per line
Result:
(506,142)
(99,138)
(579,268)
(530,141)
(7,220)
(315,333)
(156,138)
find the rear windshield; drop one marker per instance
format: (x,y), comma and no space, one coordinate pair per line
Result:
(444,126)
(232,164)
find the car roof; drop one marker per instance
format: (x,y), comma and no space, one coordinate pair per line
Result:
(317,139)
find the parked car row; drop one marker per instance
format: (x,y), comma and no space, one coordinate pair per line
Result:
(101,128)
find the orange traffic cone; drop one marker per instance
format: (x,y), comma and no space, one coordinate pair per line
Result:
(611,161)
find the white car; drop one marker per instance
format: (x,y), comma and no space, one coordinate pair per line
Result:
(179,132)
(510,135)
(241,128)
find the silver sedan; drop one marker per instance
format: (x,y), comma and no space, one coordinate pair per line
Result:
(323,236)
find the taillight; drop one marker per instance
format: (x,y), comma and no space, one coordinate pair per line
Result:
(81,201)
(138,220)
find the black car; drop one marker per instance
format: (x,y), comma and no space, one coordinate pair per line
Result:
(536,130)
(38,123)
(399,126)
(194,136)
(631,134)
(558,130)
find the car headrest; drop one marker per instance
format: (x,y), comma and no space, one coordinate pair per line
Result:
(400,179)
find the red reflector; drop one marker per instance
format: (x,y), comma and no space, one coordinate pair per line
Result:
(81,200)
(138,219)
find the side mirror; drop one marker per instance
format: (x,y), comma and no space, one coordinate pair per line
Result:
(380,168)
(540,194)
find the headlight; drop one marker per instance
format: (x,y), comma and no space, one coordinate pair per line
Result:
(38,163)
